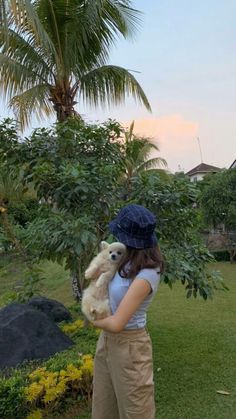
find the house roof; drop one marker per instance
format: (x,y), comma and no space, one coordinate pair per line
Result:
(233,164)
(203,168)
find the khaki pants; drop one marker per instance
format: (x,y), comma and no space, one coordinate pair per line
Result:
(123,385)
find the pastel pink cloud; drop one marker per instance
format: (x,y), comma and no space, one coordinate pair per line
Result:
(175,136)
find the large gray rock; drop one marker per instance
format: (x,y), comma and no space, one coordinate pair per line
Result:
(26,334)
(52,308)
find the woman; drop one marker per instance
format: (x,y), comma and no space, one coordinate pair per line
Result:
(123,371)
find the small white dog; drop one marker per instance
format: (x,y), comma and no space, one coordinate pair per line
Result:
(95,301)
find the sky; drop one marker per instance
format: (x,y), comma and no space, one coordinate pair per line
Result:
(185,57)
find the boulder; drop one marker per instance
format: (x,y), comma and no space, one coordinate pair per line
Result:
(27,334)
(52,308)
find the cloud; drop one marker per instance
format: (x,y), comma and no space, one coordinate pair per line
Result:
(176,138)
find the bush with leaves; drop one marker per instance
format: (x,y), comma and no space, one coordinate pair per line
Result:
(217,199)
(12,396)
(173,202)
(47,388)
(74,168)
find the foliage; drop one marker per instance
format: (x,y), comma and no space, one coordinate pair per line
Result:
(23,212)
(217,199)
(77,170)
(5,243)
(72,327)
(12,398)
(75,188)
(30,285)
(53,52)
(173,202)
(221,255)
(44,388)
(136,152)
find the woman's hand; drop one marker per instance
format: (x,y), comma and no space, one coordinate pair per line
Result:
(109,324)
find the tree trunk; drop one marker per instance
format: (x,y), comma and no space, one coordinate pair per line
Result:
(232,255)
(77,292)
(62,97)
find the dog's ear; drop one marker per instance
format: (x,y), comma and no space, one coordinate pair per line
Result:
(104,245)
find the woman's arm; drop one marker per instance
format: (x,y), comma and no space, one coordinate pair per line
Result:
(137,292)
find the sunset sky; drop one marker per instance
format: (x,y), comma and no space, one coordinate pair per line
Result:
(185,52)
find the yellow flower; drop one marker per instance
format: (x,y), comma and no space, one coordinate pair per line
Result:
(33,391)
(87,366)
(61,387)
(36,414)
(79,323)
(73,372)
(72,327)
(49,380)
(54,392)
(50,395)
(87,357)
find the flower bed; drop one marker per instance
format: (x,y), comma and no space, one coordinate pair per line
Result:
(42,390)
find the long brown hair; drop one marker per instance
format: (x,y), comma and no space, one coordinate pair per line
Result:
(137,259)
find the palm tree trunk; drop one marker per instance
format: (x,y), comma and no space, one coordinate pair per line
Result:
(62,97)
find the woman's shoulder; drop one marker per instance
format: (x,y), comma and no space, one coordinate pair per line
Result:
(152,273)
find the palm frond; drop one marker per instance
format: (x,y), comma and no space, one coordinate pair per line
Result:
(152,164)
(34,100)
(121,17)
(15,77)
(10,187)
(109,85)
(129,133)
(23,15)
(26,53)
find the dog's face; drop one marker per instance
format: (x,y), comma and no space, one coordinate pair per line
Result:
(115,251)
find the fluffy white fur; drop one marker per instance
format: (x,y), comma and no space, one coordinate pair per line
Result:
(95,302)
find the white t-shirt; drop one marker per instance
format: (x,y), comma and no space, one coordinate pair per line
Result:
(119,286)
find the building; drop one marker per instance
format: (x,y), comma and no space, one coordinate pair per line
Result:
(198,172)
(233,165)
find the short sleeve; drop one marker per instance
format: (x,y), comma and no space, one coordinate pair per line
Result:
(150,275)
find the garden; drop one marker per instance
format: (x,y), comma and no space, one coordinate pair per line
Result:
(60,186)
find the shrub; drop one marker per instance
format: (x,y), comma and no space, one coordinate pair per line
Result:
(43,388)
(47,389)
(221,256)
(12,397)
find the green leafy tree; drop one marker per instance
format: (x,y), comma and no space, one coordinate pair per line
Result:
(173,202)
(218,199)
(54,52)
(76,170)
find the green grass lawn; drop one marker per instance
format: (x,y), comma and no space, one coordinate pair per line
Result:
(194,344)
(56,284)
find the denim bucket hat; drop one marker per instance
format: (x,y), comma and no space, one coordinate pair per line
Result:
(134,226)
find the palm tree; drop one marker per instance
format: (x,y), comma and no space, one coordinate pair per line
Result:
(137,159)
(54,52)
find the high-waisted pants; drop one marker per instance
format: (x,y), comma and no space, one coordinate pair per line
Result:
(123,386)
